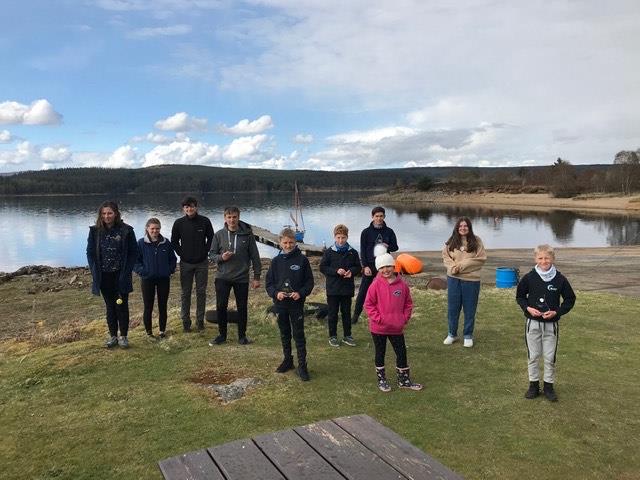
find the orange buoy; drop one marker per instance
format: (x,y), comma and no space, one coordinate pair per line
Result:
(408,264)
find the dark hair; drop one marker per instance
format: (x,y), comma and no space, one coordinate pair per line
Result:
(189,200)
(231,209)
(455,240)
(113,206)
(378,209)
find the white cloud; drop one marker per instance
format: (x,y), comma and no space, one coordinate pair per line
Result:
(5,136)
(168,31)
(39,112)
(152,137)
(183,152)
(245,127)
(244,147)
(181,122)
(123,157)
(304,138)
(51,155)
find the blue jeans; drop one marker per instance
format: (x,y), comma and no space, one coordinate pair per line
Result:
(462,295)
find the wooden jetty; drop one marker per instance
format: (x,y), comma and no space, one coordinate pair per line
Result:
(355,448)
(266,237)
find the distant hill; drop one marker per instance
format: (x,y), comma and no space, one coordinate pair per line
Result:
(195,178)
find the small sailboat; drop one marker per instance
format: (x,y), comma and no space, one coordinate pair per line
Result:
(296,214)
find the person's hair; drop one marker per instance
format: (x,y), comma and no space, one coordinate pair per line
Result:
(340,229)
(231,209)
(544,248)
(189,200)
(152,221)
(113,206)
(455,240)
(287,233)
(377,209)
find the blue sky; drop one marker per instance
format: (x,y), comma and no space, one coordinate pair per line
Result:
(327,84)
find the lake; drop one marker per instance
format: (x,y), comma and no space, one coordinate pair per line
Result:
(53,230)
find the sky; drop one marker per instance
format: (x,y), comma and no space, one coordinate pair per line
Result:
(321,85)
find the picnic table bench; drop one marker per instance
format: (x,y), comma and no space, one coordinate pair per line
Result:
(353,447)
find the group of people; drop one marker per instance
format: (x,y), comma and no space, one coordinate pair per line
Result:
(113,253)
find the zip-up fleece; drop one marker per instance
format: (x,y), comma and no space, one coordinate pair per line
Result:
(155,260)
(331,262)
(293,267)
(388,306)
(243,244)
(532,289)
(370,237)
(191,238)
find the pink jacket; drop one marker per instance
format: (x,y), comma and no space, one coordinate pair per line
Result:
(388,306)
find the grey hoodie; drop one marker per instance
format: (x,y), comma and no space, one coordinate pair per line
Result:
(243,244)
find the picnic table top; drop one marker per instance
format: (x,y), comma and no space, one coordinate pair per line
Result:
(353,447)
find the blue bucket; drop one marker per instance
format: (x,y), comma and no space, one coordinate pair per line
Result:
(506,277)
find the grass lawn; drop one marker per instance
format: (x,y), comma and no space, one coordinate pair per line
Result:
(76,410)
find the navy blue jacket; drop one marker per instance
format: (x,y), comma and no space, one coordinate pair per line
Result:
(331,262)
(155,260)
(534,292)
(293,267)
(370,237)
(129,252)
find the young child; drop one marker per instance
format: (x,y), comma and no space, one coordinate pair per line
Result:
(339,264)
(538,294)
(289,281)
(388,306)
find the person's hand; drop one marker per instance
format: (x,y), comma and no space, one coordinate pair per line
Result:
(549,314)
(342,272)
(348,274)
(367,271)
(255,284)
(295,296)
(226,255)
(281,296)
(535,312)
(455,269)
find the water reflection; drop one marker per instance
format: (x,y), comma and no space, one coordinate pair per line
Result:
(53,230)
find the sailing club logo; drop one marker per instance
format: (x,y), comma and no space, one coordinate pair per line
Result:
(295,267)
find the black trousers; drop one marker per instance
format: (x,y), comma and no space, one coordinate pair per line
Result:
(399,347)
(241,292)
(362,291)
(149,288)
(342,303)
(291,323)
(117,315)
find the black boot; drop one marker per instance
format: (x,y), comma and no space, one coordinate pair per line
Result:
(303,372)
(383,385)
(533,391)
(286,365)
(549,392)
(404,380)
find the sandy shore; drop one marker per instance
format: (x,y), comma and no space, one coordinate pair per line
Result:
(517,201)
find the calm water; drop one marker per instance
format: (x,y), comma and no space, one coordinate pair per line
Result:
(53,230)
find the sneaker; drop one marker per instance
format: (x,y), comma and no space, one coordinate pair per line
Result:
(123,342)
(286,365)
(112,342)
(303,373)
(349,341)
(450,339)
(162,335)
(244,341)
(333,341)
(549,392)
(533,391)
(219,340)
(468,342)
(150,336)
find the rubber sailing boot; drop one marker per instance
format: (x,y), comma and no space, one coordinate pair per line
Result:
(404,379)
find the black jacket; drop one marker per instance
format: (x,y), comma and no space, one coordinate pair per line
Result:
(370,237)
(331,262)
(292,268)
(129,254)
(191,238)
(534,292)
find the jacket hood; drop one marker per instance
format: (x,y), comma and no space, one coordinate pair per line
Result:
(161,239)
(296,251)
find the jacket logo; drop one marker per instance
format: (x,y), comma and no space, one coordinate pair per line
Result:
(552,288)
(397,293)
(294,267)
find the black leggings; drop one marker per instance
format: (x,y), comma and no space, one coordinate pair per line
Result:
(149,288)
(117,315)
(399,347)
(342,303)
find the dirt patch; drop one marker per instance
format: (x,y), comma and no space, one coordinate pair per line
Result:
(227,386)
(212,377)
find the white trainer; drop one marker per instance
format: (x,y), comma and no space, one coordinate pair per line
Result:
(449,340)
(468,342)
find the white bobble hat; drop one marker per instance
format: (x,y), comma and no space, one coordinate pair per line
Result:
(379,249)
(385,260)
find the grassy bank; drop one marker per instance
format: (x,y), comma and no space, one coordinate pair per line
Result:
(76,410)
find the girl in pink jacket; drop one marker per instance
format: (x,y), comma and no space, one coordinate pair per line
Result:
(388,306)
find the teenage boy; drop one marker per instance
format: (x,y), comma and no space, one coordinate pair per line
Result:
(191,237)
(289,280)
(234,249)
(376,234)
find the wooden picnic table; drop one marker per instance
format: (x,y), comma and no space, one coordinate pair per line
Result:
(354,447)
